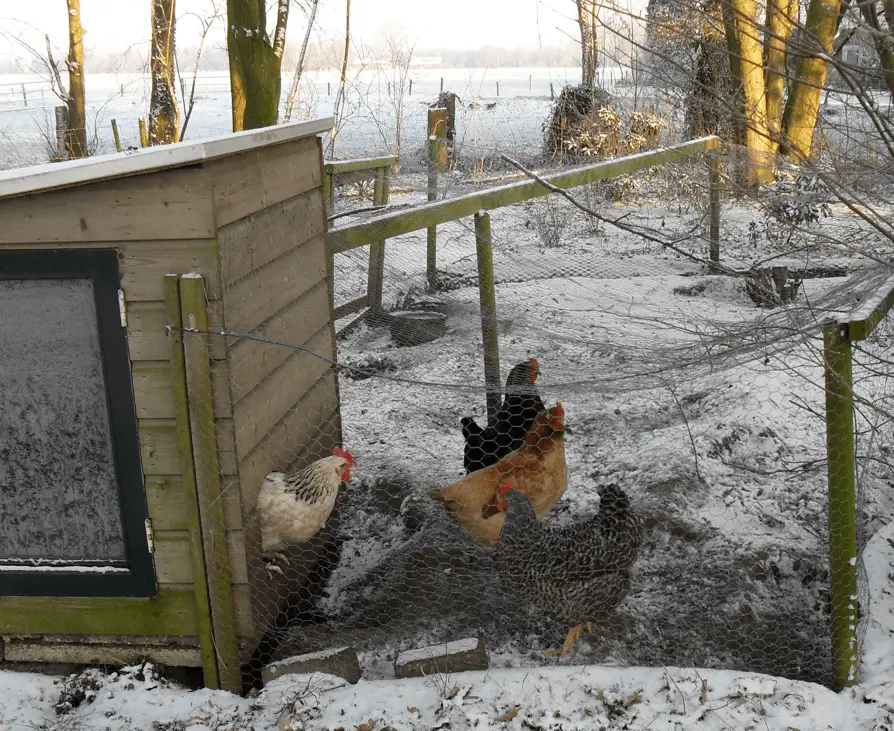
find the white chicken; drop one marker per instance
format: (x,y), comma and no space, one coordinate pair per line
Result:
(292,508)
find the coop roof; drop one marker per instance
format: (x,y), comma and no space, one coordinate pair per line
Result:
(51,176)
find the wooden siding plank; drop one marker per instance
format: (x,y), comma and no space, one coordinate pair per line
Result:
(167,503)
(159,452)
(173,561)
(257,413)
(145,263)
(173,612)
(152,390)
(290,438)
(147,337)
(252,361)
(176,204)
(258,179)
(166,499)
(220,387)
(259,296)
(251,242)
(238,565)
(226,446)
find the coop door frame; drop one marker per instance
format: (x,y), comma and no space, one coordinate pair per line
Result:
(137,578)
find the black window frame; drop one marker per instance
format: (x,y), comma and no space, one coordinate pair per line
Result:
(100,266)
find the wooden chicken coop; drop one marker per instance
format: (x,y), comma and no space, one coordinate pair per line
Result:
(134,440)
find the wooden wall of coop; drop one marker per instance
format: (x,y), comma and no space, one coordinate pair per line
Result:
(243,216)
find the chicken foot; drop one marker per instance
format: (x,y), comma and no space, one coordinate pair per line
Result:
(271,567)
(571,638)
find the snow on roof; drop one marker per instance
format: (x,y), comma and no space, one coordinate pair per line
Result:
(50,176)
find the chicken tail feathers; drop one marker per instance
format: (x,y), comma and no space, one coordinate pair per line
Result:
(470,427)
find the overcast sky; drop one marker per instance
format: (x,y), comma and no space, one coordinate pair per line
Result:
(115,24)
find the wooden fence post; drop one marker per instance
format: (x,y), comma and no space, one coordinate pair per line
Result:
(842,501)
(714,204)
(187,466)
(197,349)
(116,136)
(488,300)
(61,117)
(376,273)
(144,133)
(437,161)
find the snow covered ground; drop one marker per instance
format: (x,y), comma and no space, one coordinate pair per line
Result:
(554,698)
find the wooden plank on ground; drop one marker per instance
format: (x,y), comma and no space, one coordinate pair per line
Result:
(251,242)
(79,653)
(255,180)
(266,291)
(257,413)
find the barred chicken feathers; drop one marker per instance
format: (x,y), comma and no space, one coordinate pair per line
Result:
(578,572)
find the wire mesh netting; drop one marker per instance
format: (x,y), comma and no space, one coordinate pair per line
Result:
(649,486)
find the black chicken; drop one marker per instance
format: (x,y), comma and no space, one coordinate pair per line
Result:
(579,572)
(521,404)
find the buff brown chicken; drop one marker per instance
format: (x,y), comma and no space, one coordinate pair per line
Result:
(537,469)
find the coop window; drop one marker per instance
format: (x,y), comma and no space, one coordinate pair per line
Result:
(72,505)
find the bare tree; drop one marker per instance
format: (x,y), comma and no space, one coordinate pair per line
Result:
(76,133)
(587,21)
(255,62)
(340,95)
(302,56)
(164,112)
(206,22)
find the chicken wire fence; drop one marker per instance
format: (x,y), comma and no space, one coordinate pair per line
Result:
(675,453)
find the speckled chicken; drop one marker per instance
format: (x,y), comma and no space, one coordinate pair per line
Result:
(578,572)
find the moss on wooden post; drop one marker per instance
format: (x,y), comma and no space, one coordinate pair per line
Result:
(116,135)
(187,466)
(488,299)
(376,274)
(714,204)
(144,133)
(208,486)
(842,502)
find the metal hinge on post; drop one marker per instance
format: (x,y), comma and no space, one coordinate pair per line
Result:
(150,536)
(122,308)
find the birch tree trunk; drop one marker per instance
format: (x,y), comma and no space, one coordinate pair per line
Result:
(255,62)
(587,17)
(802,107)
(164,112)
(746,65)
(76,134)
(782,16)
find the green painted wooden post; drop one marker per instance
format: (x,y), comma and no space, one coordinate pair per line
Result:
(208,485)
(376,274)
(842,501)
(187,465)
(116,136)
(714,204)
(488,300)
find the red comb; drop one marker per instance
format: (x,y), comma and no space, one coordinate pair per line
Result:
(558,409)
(505,487)
(535,363)
(339,452)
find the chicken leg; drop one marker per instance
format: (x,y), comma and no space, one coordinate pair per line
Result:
(573,636)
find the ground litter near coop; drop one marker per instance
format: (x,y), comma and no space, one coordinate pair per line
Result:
(726,466)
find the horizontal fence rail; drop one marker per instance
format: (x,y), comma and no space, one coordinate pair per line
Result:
(431,214)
